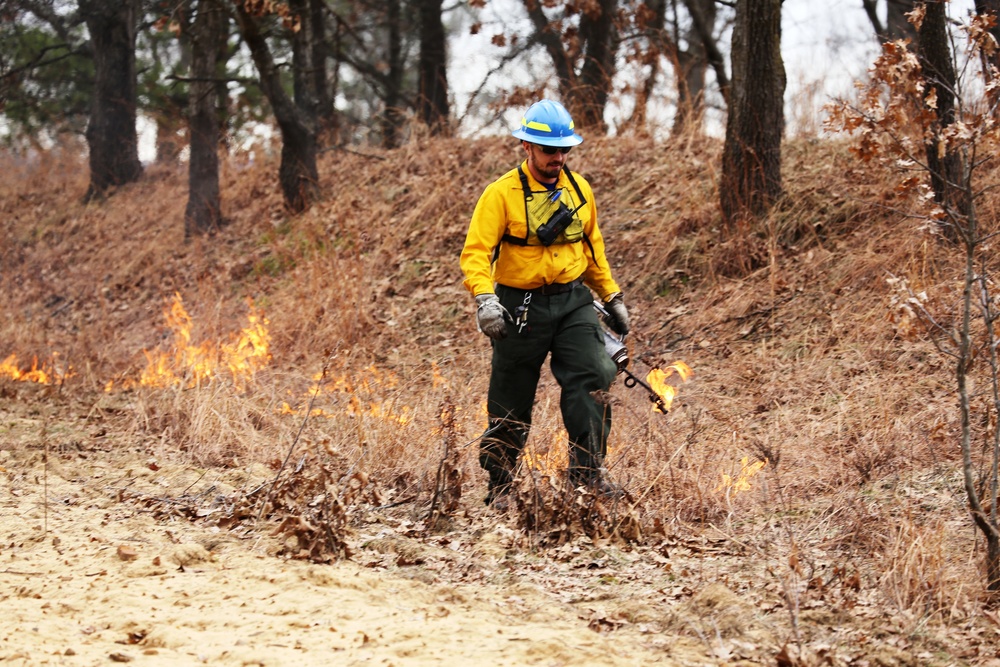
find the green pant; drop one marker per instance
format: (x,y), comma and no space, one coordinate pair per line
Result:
(566,326)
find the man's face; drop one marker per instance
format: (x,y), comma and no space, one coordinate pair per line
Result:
(545,165)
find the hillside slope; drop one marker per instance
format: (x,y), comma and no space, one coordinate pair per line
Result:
(851,544)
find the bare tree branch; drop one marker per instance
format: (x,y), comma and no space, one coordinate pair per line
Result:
(715,57)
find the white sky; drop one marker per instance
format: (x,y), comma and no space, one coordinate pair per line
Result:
(826,46)
(833,42)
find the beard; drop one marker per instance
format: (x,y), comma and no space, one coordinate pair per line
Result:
(546,168)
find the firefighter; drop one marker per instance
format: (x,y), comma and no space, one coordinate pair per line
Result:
(532,255)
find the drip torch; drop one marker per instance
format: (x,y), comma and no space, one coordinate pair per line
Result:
(618,351)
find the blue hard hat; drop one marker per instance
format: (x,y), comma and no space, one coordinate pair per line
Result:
(547,123)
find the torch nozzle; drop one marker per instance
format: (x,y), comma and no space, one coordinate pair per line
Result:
(632,380)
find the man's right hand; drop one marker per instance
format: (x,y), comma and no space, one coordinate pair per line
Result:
(491,316)
(616,308)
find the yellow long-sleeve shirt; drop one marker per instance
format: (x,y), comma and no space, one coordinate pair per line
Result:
(501,210)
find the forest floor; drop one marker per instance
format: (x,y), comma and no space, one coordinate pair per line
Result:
(109,555)
(131,527)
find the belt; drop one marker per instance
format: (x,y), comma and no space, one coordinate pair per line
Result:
(552,288)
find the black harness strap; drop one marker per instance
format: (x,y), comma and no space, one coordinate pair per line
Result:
(528,194)
(526,188)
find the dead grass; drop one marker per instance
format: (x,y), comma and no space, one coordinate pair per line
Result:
(796,357)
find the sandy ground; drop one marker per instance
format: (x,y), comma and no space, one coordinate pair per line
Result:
(104,557)
(92,577)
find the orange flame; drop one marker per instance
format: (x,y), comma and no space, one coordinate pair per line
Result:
(437,380)
(657,380)
(186,364)
(368,386)
(550,458)
(741,482)
(554,456)
(41,375)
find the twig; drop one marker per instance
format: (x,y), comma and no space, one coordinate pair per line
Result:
(666,466)
(45,485)
(432,513)
(402,501)
(193,483)
(448,428)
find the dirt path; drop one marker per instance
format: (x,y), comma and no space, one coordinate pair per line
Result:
(114,567)
(91,579)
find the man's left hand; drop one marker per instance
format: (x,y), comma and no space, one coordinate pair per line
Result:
(619,314)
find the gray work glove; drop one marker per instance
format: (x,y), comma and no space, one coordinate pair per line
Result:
(616,308)
(491,316)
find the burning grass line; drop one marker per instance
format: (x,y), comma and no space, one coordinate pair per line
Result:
(46,374)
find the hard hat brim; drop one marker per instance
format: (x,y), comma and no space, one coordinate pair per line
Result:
(542,140)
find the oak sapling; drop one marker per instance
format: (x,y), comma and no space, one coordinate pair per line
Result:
(936,127)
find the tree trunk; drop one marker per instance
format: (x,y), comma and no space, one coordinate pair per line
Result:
(548,37)
(947,169)
(297,173)
(985,517)
(433,102)
(111,133)
(653,21)
(991,7)
(898,26)
(392,122)
(589,98)
(703,28)
(304,49)
(222,85)
(204,212)
(751,160)
(693,65)
(993,562)
(335,48)
(169,104)
(169,141)
(325,110)
(586,94)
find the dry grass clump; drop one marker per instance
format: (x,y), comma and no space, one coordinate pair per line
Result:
(212,425)
(915,574)
(911,549)
(311,504)
(551,512)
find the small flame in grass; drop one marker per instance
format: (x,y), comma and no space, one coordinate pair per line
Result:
(437,380)
(367,387)
(657,380)
(741,482)
(553,457)
(190,365)
(43,374)
(548,459)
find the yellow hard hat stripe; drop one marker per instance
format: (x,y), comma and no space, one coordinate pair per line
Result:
(535,125)
(541,127)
